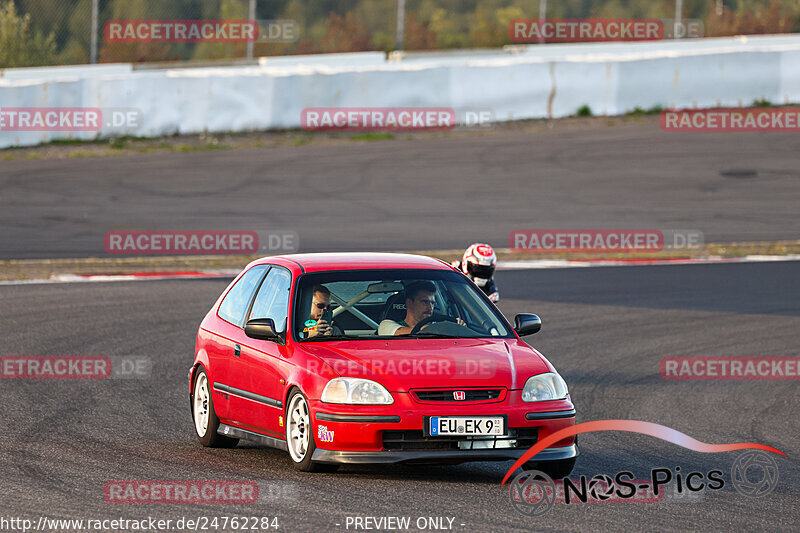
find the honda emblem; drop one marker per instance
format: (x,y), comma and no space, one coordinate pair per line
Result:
(459,395)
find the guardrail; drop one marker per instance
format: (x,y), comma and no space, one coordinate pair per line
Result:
(517,82)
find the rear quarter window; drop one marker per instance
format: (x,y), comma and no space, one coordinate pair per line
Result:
(236,302)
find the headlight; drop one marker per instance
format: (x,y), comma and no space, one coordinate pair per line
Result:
(547,386)
(356,391)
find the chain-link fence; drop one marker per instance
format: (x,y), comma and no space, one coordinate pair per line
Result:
(51,32)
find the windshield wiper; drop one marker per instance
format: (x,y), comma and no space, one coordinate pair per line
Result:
(435,335)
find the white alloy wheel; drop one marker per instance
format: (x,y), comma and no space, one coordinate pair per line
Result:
(201,396)
(298,428)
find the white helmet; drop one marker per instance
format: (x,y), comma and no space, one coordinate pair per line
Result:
(479,262)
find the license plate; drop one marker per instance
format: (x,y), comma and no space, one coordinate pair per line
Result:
(440,426)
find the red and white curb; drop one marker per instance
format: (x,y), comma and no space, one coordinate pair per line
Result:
(133,276)
(584,263)
(501,265)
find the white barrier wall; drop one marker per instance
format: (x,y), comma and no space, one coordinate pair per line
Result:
(65,71)
(519,82)
(341,60)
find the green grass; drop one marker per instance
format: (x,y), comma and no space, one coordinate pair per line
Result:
(72,142)
(372,137)
(763,102)
(584,111)
(201,147)
(640,112)
(8,157)
(216,146)
(118,143)
(80,153)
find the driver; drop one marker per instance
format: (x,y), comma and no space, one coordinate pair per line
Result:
(420,301)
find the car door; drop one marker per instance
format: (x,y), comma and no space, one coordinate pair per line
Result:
(257,372)
(220,344)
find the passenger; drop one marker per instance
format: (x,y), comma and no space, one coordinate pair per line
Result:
(315,326)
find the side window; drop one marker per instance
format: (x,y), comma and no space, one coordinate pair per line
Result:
(234,306)
(272,300)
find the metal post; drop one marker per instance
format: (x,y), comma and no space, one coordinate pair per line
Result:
(251,14)
(93,40)
(542,17)
(401,24)
(678,19)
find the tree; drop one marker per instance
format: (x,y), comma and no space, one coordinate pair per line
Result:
(346,34)
(19,45)
(776,17)
(229,10)
(418,35)
(135,52)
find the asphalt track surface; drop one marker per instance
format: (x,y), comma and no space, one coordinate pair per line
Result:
(605,329)
(422,194)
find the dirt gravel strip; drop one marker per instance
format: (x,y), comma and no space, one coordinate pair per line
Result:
(204,142)
(217,265)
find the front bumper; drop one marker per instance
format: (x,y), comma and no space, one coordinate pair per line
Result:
(396,433)
(435,456)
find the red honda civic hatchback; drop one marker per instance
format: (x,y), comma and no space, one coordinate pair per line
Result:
(359,358)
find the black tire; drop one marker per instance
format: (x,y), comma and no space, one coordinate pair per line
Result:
(210,439)
(554,469)
(301,459)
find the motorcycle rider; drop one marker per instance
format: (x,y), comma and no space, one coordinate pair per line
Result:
(478,264)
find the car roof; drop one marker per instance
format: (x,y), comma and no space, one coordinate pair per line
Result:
(357,260)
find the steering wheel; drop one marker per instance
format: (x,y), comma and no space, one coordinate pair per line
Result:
(429,320)
(487,327)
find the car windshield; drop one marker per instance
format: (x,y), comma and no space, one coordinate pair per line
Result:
(372,304)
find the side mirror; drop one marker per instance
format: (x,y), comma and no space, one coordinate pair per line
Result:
(261,328)
(527,324)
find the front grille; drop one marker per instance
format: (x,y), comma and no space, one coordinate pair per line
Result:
(402,440)
(446,395)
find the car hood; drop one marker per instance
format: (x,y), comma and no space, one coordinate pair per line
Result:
(404,364)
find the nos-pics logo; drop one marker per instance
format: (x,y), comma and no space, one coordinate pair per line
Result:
(533,493)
